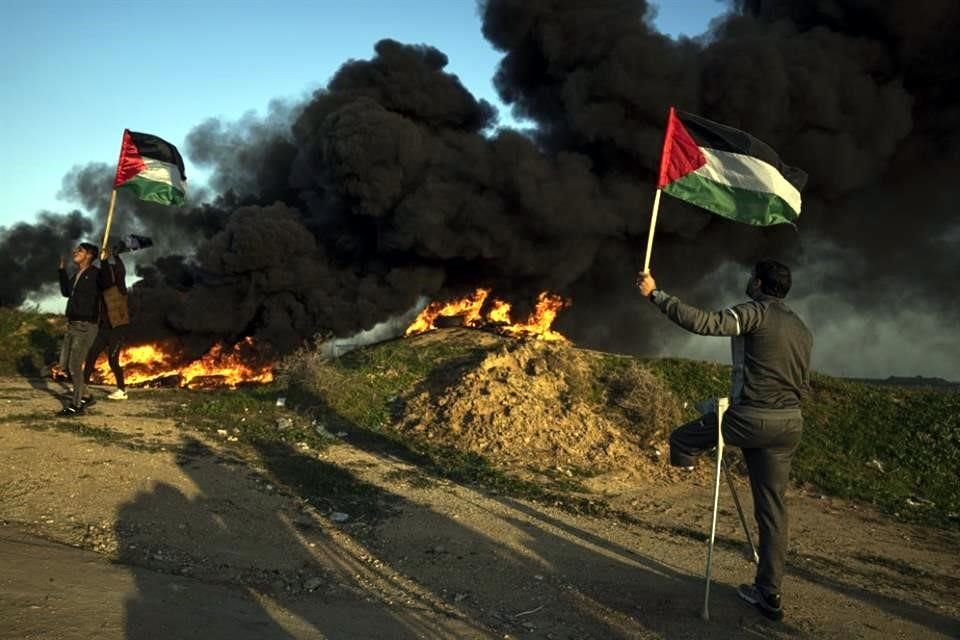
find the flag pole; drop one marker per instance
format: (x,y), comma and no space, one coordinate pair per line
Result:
(665,153)
(106,232)
(653,225)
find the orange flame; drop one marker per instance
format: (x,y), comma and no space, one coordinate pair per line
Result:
(470,309)
(220,366)
(541,319)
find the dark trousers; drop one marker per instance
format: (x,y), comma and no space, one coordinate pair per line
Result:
(110,339)
(768,445)
(76,344)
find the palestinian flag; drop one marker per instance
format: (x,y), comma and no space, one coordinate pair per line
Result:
(728,172)
(152,168)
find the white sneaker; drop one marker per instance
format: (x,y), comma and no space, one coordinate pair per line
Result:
(119,394)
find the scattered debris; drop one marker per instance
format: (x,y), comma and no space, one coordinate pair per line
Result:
(281,401)
(876,464)
(526,613)
(339,516)
(321,429)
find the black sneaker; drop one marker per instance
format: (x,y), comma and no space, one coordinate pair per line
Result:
(768,605)
(70,411)
(88,401)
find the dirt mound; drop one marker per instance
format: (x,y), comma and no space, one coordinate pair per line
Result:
(546,405)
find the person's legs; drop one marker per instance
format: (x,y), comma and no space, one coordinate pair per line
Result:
(688,441)
(769,469)
(95,349)
(65,350)
(84,334)
(114,345)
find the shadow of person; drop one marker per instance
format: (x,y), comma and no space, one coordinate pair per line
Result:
(41,381)
(180,542)
(495,560)
(44,348)
(228,551)
(455,580)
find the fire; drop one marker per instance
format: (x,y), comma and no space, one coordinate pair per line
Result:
(469,308)
(539,323)
(161,363)
(497,312)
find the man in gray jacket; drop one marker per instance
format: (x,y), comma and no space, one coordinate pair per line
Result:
(771,373)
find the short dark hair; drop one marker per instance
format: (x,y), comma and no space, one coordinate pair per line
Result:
(774,277)
(89,248)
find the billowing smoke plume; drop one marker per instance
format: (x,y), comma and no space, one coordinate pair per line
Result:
(859,93)
(393,181)
(29,253)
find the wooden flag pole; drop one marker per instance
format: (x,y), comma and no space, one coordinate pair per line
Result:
(653,225)
(106,232)
(665,153)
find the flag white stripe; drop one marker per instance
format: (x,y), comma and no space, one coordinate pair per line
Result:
(158,171)
(746,172)
(735,317)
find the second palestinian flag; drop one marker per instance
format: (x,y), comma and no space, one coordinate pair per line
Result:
(728,172)
(152,168)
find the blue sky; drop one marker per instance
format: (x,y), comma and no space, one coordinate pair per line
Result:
(75,74)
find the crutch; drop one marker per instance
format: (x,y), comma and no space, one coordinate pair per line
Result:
(743,520)
(722,404)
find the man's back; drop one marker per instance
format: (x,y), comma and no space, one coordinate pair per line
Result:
(776,358)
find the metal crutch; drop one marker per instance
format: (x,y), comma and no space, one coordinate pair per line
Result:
(722,404)
(743,520)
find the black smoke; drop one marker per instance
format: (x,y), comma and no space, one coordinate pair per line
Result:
(393,181)
(30,254)
(862,94)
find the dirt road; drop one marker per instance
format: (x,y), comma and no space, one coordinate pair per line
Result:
(128,525)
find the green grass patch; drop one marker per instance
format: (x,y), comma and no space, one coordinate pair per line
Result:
(250,414)
(29,341)
(896,447)
(361,385)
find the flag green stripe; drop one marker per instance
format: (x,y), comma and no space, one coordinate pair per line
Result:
(159,171)
(758,208)
(747,172)
(154,191)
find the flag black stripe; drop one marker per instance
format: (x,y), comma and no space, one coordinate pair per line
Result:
(713,135)
(150,146)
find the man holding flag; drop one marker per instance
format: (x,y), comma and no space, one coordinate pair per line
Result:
(153,170)
(732,174)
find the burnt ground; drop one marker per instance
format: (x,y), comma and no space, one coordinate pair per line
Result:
(128,524)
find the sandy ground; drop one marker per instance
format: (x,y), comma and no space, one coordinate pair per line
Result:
(135,527)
